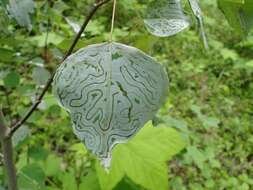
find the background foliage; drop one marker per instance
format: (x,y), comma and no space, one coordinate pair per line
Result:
(209,110)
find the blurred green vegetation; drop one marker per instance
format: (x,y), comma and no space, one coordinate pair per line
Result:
(210,100)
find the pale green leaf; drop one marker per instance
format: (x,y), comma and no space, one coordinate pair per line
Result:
(143,159)
(20,135)
(52,165)
(40,75)
(21,10)
(90,182)
(69,181)
(53,38)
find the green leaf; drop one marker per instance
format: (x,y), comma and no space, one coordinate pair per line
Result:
(53,38)
(52,165)
(20,135)
(239,13)
(143,159)
(79,149)
(69,181)
(6,55)
(127,184)
(90,182)
(31,177)
(21,10)
(40,75)
(4,21)
(210,121)
(12,80)
(37,153)
(196,155)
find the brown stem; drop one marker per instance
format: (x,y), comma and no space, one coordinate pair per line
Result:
(78,36)
(7,150)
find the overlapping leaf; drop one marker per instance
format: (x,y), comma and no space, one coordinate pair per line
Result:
(143,159)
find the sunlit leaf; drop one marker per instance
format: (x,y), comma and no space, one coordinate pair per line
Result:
(90,182)
(143,159)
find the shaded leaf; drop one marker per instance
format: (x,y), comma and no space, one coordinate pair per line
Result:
(31,177)
(12,79)
(6,55)
(238,13)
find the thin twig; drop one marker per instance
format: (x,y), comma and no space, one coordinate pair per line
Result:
(113,18)
(78,36)
(46,42)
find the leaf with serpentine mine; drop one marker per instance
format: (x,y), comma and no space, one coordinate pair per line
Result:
(110,90)
(165,18)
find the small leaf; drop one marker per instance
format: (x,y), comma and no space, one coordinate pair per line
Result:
(79,149)
(37,153)
(21,10)
(40,75)
(53,38)
(6,55)
(165,18)
(196,155)
(143,159)
(52,165)
(20,135)
(4,21)
(12,80)
(210,122)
